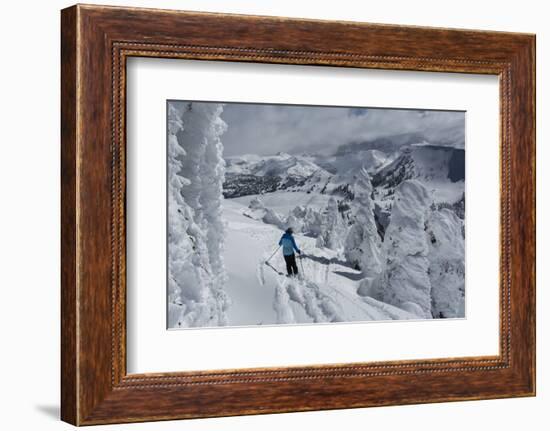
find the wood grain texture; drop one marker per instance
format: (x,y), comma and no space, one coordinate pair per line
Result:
(96,41)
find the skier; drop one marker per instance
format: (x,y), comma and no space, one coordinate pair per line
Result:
(289,245)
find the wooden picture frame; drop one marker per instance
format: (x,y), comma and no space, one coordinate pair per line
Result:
(96,41)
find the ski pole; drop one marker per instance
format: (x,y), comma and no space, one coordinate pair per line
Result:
(273,254)
(302,266)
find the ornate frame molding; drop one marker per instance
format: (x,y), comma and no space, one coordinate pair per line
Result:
(96,41)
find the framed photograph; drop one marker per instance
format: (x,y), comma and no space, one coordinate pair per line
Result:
(291,214)
(264,215)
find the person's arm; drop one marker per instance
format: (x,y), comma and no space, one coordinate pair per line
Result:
(281,241)
(295,246)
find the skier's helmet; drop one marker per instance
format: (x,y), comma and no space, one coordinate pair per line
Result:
(290,231)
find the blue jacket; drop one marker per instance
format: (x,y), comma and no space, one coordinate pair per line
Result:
(289,245)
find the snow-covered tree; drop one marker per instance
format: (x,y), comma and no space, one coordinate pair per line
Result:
(312,222)
(256,204)
(405,280)
(295,218)
(333,230)
(195,230)
(212,176)
(362,244)
(446,270)
(293,222)
(273,217)
(299,211)
(186,277)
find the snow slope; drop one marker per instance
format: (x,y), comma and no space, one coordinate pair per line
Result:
(284,201)
(260,295)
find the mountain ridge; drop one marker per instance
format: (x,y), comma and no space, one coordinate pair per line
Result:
(439,167)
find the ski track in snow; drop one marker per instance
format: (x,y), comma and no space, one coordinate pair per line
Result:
(262,294)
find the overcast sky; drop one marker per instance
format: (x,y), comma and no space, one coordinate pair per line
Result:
(267,129)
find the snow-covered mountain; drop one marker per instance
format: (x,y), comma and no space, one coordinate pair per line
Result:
(430,164)
(251,174)
(281,164)
(439,168)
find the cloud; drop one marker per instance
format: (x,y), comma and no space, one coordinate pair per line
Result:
(267,129)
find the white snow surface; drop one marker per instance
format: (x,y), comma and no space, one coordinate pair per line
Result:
(285,201)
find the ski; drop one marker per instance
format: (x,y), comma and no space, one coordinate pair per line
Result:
(273,268)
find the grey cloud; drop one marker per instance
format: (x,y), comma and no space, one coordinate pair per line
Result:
(267,129)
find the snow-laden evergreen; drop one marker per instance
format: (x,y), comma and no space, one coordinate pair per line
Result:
(446,270)
(362,244)
(333,229)
(313,220)
(196,272)
(405,279)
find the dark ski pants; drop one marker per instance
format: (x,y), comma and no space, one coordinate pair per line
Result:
(291,267)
